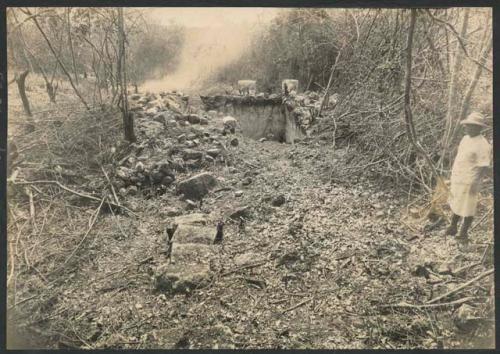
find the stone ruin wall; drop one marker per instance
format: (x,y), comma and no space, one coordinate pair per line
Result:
(274,117)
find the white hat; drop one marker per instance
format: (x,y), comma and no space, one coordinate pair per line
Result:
(475,118)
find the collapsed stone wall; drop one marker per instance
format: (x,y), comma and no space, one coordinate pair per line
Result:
(281,118)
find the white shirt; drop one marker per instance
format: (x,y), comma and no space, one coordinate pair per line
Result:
(473,152)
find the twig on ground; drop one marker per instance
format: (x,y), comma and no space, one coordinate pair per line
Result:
(118,223)
(465,267)
(407,305)
(482,219)
(93,218)
(32,208)
(248,266)
(83,195)
(297,305)
(463,286)
(111,185)
(250,164)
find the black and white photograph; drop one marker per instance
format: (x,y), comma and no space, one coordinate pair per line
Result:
(249,178)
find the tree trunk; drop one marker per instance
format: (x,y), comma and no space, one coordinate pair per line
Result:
(70,40)
(477,74)
(58,60)
(410,127)
(51,91)
(452,90)
(330,80)
(464,109)
(21,86)
(128,120)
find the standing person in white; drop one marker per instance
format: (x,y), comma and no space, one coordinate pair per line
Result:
(471,164)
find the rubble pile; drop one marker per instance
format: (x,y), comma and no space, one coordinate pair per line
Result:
(171,140)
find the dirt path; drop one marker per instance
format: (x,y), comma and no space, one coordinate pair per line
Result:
(314,266)
(330,260)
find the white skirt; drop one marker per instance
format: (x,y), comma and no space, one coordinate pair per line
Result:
(462,201)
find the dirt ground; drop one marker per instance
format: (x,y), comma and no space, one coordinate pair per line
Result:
(320,262)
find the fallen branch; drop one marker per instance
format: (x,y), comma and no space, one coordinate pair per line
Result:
(250,164)
(254,281)
(111,185)
(95,216)
(32,208)
(80,194)
(463,286)
(298,305)
(407,305)
(248,266)
(482,219)
(465,267)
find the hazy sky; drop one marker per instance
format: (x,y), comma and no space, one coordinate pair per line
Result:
(211,16)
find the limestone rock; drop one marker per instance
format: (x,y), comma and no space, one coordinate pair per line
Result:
(193,228)
(245,259)
(181,118)
(229,122)
(240,212)
(172,212)
(152,111)
(152,129)
(183,278)
(132,190)
(234,142)
(191,253)
(171,123)
(167,180)
(279,200)
(161,118)
(464,317)
(189,154)
(213,152)
(124,173)
(246,181)
(194,119)
(197,186)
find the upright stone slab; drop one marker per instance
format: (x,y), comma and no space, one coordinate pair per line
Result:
(291,85)
(248,87)
(183,253)
(181,278)
(194,228)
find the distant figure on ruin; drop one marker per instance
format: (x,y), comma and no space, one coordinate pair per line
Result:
(471,164)
(247,87)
